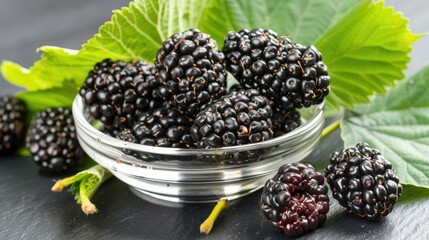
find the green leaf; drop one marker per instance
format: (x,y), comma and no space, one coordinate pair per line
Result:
(83,186)
(20,76)
(365,52)
(137,31)
(304,21)
(364,44)
(53,97)
(55,66)
(398,125)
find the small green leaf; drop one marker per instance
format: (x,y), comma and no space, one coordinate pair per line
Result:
(53,97)
(55,66)
(137,31)
(20,76)
(365,52)
(398,125)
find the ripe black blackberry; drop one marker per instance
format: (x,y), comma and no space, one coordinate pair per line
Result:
(363,181)
(191,70)
(290,74)
(243,48)
(115,92)
(241,117)
(12,113)
(285,121)
(52,140)
(160,128)
(295,199)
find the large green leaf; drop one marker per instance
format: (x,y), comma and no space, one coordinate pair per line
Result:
(137,31)
(365,52)
(397,124)
(303,20)
(365,44)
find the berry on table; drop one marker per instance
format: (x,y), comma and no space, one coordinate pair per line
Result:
(295,200)
(12,113)
(363,181)
(52,140)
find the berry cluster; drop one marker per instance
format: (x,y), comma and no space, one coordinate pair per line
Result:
(52,140)
(182,101)
(12,113)
(295,199)
(288,73)
(363,181)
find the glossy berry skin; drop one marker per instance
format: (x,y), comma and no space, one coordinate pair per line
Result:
(160,128)
(12,114)
(295,200)
(52,140)
(288,73)
(241,117)
(116,92)
(286,121)
(363,181)
(191,69)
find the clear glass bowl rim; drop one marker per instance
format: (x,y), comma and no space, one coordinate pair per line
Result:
(301,131)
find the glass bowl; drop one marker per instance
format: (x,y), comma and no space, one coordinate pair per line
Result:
(197,175)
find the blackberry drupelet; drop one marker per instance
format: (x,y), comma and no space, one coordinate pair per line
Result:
(161,128)
(191,70)
(363,181)
(12,113)
(117,92)
(52,140)
(285,121)
(290,74)
(295,199)
(241,117)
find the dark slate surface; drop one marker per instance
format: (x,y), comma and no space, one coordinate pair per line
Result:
(28,210)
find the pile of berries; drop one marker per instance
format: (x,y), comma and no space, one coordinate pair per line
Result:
(182,101)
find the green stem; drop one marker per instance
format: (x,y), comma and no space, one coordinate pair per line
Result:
(87,206)
(329,129)
(62,183)
(207,225)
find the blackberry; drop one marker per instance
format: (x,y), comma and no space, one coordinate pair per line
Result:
(290,74)
(52,140)
(160,128)
(242,117)
(191,70)
(363,181)
(285,121)
(117,92)
(295,200)
(12,113)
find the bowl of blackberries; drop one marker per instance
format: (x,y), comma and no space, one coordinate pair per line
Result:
(203,123)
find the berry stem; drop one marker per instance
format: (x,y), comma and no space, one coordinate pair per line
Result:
(207,225)
(329,129)
(87,206)
(83,186)
(62,183)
